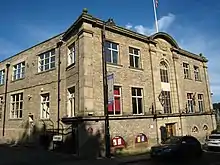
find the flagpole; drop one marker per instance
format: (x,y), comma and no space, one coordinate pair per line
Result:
(155,16)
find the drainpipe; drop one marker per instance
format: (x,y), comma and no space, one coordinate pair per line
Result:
(177,91)
(5,104)
(59,44)
(154,112)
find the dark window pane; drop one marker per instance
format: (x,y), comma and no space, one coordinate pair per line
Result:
(114,46)
(46,66)
(140,110)
(115,57)
(134,105)
(47,55)
(53,52)
(47,61)
(108,57)
(53,59)
(131,61)
(136,61)
(139,92)
(52,65)
(107,44)
(136,51)
(133,91)
(130,50)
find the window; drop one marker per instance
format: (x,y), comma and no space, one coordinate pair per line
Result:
(115,108)
(186,70)
(16,106)
(134,55)
(45,106)
(19,71)
(163,72)
(47,61)
(190,102)
(166,101)
(137,100)
(1,106)
(71,102)
(71,54)
(111,51)
(196,73)
(2,77)
(200,102)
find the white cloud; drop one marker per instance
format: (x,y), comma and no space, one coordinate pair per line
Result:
(163,24)
(194,40)
(128,26)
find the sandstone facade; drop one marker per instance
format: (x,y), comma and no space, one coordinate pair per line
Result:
(81,81)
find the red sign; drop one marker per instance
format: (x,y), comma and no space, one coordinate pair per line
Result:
(141,138)
(118,141)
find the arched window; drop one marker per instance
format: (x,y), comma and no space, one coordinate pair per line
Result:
(164,72)
(195,129)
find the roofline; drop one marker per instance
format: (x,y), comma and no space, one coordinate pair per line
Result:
(85,17)
(31,47)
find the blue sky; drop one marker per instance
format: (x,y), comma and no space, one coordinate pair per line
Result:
(194,24)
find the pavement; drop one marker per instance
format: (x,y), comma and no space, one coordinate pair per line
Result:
(34,156)
(16,155)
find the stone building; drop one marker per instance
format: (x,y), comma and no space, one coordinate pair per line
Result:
(158,87)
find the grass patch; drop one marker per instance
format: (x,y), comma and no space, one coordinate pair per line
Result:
(132,152)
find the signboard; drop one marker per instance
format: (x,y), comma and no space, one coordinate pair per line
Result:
(57,138)
(110,81)
(118,142)
(141,138)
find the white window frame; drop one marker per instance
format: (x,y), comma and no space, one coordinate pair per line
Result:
(1,106)
(42,58)
(44,109)
(118,96)
(137,97)
(2,77)
(15,113)
(201,102)
(133,56)
(71,106)
(197,73)
(111,49)
(72,54)
(186,70)
(18,71)
(190,103)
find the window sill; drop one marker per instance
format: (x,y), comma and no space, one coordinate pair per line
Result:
(17,79)
(187,78)
(114,65)
(45,71)
(19,119)
(70,66)
(44,119)
(2,85)
(198,80)
(137,69)
(115,115)
(141,114)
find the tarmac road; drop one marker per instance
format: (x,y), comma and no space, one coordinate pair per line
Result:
(209,158)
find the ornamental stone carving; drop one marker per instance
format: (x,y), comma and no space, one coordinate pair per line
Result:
(162,46)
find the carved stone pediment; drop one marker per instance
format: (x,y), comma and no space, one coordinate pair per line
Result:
(162,45)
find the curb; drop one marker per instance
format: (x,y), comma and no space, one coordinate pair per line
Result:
(135,161)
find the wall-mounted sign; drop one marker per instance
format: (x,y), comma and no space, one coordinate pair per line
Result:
(118,141)
(141,138)
(110,82)
(57,138)
(90,130)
